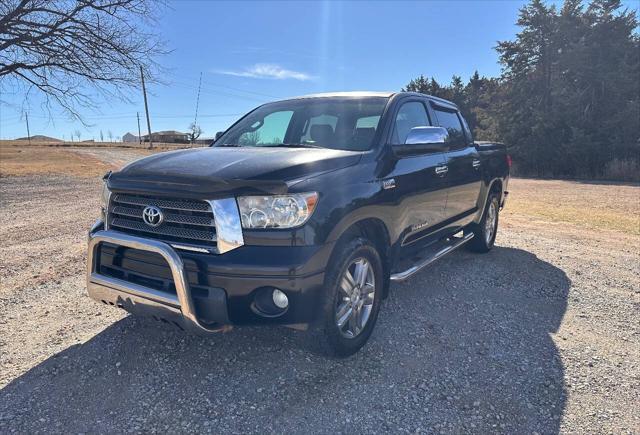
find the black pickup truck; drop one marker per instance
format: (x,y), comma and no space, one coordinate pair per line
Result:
(300,214)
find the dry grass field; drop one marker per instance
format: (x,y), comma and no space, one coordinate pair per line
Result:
(62,144)
(74,161)
(540,335)
(588,205)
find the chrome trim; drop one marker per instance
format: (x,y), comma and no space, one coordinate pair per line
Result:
(107,207)
(228,224)
(96,226)
(441,170)
(401,276)
(135,289)
(181,301)
(476,163)
(191,248)
(137,305)
(427,136)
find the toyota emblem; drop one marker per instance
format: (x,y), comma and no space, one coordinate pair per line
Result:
(152,216)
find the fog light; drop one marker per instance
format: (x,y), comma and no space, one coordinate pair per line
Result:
(280,299)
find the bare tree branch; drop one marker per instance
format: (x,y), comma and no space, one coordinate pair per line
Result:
(194,132)
(74,50)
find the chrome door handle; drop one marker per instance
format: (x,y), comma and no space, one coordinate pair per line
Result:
(442,170)
(476,163)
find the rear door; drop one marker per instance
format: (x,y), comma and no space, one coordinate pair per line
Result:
(464,176)
(418,187)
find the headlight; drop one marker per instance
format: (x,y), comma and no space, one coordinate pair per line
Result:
(276,211)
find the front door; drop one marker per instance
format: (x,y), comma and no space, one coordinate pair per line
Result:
(420,190)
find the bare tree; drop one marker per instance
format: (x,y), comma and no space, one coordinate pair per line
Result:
(250,138)
(78,134)
(101,136)
(110,135)
(69,49)
(194,132)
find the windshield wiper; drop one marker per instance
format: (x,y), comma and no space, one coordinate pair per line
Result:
(228,145)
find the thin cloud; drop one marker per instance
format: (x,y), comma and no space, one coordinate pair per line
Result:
(268,71)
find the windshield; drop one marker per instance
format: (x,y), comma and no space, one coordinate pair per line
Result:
(337,123)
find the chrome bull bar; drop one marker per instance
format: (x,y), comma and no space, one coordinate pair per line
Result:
(177,308)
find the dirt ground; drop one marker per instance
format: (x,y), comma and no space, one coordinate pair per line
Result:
(540,335)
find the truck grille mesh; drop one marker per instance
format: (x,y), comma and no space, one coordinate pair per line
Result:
(187,222)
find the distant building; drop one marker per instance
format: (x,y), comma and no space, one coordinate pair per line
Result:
(169,136)
(128,137)
(204,140)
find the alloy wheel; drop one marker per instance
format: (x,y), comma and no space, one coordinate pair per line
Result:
(490,222)
(355,299)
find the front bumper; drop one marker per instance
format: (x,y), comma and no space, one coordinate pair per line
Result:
(231,281)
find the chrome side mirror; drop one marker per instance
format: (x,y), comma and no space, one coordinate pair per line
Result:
(427,136)
(423,140)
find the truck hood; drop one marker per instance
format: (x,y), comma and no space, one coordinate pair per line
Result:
(211,171)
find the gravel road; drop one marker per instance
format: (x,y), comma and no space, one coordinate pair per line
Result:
(540,335)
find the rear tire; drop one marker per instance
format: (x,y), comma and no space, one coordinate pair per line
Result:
(353,293)
(485,231)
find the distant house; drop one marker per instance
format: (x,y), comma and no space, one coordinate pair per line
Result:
(204,140)
(128,137)
(169,136)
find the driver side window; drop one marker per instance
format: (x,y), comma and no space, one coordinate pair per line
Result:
(269,131)
(411,114)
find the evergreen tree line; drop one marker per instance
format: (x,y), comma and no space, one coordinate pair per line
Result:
(568,99)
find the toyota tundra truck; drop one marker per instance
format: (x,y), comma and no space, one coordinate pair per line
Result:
(300,214)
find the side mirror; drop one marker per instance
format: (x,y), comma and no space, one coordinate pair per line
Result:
(217,136)
(427,136)
(422,140)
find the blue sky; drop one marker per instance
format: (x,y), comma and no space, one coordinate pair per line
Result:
(253,52)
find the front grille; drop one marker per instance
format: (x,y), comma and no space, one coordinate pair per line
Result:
(186,222)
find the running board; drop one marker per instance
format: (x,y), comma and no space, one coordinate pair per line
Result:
(455,243)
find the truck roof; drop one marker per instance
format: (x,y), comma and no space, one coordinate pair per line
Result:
(361,94)
(346,94)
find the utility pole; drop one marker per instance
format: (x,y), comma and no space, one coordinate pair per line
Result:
(26,117)
(195,120)
(139,134)
(146,107)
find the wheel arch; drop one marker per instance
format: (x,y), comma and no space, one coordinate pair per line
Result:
(376,231)
(495,186)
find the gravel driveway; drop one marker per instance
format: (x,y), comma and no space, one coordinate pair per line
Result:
(540,335)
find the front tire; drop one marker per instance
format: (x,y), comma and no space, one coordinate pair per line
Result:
(485,231)
(354,286)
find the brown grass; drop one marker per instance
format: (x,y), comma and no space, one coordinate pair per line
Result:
(43,160)
(135,145)
(597,205)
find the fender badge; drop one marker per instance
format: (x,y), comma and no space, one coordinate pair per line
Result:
(389,183)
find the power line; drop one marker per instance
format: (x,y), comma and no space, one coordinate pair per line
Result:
(217,93)
(195,120)
(221,115)
(206,81)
